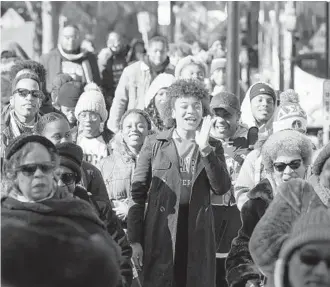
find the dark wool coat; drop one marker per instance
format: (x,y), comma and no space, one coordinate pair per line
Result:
(239,264)
(113,226)
(293,199)
(52,63)
(156,180)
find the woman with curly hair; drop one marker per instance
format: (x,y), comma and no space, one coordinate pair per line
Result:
(176,169)
(26,98)
(156,99)
(286,156)
(294,198)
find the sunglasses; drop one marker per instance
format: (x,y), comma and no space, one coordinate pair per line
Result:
(313,259)
(68,178)
(25,92)
(30,169)
(281,166)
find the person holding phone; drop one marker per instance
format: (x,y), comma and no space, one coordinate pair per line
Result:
(170,221)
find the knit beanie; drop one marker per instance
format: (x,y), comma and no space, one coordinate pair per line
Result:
(27,69)
(289,114)
(135,111)
(227,101)
(313,226)
(320,160)
(219,63)
(184,62)
(262,89)
(160,82)
(92,100)
(71,156)
(17,143)
(69,93)
(58,82)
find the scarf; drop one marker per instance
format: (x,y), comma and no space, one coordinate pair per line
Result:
(155,70)
(322,192)
(19,128)
(70,56)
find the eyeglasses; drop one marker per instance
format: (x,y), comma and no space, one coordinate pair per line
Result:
(30,169)
(313,259)
(281,166)
(84,116)
(68,178)
(25,92)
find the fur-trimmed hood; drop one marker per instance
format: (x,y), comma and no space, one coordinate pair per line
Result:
(119,147)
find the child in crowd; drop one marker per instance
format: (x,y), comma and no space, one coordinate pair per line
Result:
(118,168)
(156,99)
(93,136)
(177,51)
(175,172)
(218,75)
(65,95)
(191,68)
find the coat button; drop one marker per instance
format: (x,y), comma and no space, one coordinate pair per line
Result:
(162,209)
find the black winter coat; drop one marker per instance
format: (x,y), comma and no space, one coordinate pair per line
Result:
(156,180)
(239,264)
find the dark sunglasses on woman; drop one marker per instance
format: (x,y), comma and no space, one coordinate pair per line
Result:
(30,169)
(25,92)
(68,178)
(281,166)
(312,259)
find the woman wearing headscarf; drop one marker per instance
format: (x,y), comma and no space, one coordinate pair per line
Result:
(286,156)
(293,199)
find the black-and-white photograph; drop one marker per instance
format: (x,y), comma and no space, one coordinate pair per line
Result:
(165,143)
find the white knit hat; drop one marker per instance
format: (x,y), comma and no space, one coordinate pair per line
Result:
(92,100)
(160,82)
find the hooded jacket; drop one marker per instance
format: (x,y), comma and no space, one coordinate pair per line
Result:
(247,117)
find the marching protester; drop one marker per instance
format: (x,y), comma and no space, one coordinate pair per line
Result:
(112,62)
(64,255)
(286,155)
(293,199)
(25,100)
(136,79)
(289,115)
(55,127)
(65,94)
(68,58)
(118,168)
(191,68)
(71,157)
(91,113)
(31,194)
(180,167)
(178,51)
(305,255)
(136,52)
(156,99)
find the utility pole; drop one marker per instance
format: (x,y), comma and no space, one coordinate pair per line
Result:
(233,48)
(327,37)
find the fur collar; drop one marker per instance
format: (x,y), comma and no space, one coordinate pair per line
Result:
(119,146)
(262,190)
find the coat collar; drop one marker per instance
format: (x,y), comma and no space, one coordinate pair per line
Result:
(262,190)
(165,135)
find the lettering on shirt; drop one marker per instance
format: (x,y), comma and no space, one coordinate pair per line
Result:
(73,69)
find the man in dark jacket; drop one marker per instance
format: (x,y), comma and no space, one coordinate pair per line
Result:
(68,58)
(112,62)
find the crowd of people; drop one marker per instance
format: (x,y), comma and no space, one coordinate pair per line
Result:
(136,167)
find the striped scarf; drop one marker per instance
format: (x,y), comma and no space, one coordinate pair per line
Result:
(19,128)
